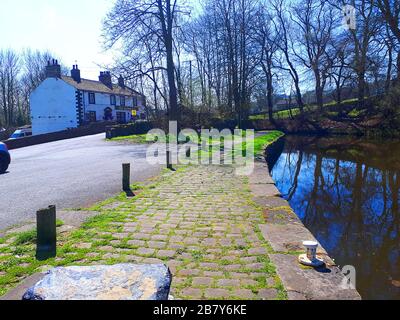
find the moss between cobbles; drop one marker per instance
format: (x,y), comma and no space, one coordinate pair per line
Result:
(92,242)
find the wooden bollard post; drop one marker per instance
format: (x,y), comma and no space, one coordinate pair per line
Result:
(188,152)
(126,176)
(169,165)
(46,245)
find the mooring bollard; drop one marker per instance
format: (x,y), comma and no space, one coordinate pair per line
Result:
(126,176)
(310,257)
(46,245)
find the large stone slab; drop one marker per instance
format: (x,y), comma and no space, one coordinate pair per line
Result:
(261,178)
(117,282)
(270,202)
(260,174)
(267,190)
(309,283)
(287,237)
(280,216)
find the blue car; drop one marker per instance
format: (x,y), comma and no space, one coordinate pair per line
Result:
(5,158)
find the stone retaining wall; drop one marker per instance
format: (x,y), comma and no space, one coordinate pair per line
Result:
(285,232)
(93,128)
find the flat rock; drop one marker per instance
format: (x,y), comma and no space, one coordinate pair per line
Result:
(117,282)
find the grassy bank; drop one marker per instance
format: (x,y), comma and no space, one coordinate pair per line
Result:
(215,143)
(150,138)
(261,142)
(285,114)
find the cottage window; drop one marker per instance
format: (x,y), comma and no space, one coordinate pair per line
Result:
(113,101)
(92,98)
(122,101)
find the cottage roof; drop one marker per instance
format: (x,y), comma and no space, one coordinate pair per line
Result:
(97,86)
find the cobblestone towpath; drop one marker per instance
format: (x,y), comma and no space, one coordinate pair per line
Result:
(199,220)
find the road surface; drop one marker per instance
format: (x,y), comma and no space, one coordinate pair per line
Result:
(71,173)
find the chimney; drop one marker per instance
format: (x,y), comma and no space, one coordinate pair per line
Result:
(121,81)
(105,78)
(53,69)
(76,73)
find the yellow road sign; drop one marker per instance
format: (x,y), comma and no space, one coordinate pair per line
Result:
(134,113)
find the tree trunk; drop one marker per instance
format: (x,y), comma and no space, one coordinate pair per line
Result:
(361,91)
(389,69)
(299,98)
(319,90)
(167,21)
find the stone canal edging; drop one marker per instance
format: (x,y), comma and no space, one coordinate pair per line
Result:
(285,233)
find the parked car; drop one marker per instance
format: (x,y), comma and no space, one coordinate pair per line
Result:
(5,158)
(21,133)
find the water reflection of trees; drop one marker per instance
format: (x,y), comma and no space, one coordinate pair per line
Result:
(351,204)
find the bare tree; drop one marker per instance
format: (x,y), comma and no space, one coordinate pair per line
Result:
(33,63)
(145,25)
(267,39)
(340,72)
(362,39)
(390,10)
(315,23)
(9,85)
(286,45)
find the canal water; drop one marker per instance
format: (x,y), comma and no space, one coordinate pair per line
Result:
(346,191)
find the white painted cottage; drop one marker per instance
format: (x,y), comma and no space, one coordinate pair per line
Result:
(62,102)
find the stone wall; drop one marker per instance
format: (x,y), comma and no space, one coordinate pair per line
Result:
(93,128)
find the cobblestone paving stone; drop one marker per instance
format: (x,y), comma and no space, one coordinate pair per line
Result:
(200,221)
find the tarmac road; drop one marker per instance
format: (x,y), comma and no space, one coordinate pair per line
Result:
(69,174)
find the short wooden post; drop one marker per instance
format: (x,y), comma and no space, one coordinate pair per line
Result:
(169,164)
(188,152)
(126,176)
(46,245)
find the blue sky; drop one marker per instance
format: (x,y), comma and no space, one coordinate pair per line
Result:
(69,28)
